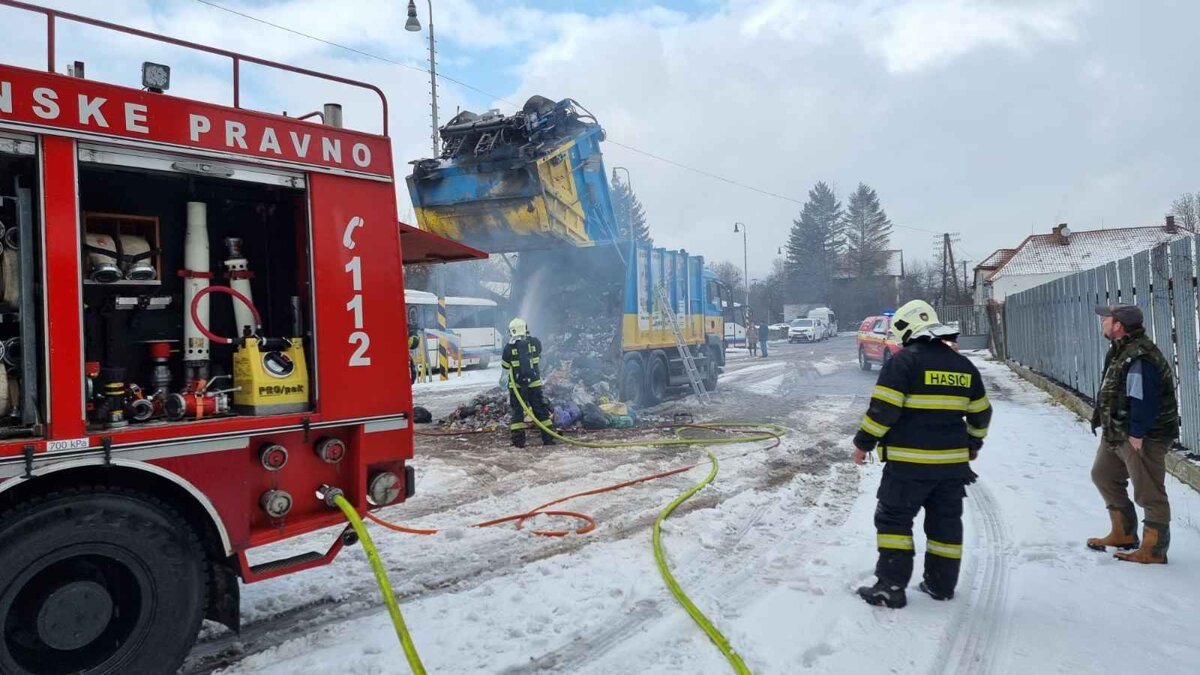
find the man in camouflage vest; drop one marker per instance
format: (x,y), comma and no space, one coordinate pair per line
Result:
(1137,411)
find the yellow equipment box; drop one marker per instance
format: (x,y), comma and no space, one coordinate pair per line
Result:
(272,376)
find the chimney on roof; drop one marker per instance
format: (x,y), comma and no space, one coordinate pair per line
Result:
(1170,227)
(1061,234)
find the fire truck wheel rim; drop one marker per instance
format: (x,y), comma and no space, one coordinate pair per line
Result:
(74,615)
(61,612)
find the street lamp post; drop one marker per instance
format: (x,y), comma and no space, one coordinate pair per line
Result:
(413,25)
(745,262)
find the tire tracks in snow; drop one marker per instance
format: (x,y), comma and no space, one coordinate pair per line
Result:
(733,574)
(635,618)
(978,644)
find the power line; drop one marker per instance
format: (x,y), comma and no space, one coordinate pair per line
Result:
(353,50)
(441,76)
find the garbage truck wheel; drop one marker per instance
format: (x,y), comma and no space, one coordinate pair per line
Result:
(711,371)
(631,380)
(657,378)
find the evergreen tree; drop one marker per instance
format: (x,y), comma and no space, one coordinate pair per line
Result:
(628,208)
(868,234)
(813,246)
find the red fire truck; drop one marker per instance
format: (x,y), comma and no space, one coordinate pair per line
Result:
(202,324)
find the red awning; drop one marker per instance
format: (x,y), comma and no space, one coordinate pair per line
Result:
(420,247)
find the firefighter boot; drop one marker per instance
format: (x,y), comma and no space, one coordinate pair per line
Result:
(518,438)
(1156,538)
(924,588)
(884,594)
(1124,530)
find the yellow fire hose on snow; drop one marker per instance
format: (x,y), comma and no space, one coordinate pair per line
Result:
(769,432)
(334,497)
(757,432)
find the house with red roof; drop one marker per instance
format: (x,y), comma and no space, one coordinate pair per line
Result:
(1042,258)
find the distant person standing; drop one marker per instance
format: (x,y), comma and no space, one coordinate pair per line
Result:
(1139,418)
(764,331)
(751,337)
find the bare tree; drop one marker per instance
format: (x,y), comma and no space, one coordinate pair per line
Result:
(729,274)
(1186,210)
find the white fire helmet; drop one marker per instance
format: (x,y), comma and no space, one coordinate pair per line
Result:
(518,328)
(918,319)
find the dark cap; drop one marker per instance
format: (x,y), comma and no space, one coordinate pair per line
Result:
(1128,315)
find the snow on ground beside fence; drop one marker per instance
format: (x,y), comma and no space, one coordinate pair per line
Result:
(775,568)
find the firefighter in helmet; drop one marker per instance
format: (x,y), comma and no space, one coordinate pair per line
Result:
(414,343)
(521,361)
(928,416)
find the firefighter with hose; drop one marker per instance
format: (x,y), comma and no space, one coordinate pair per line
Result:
(928,416)
(522,371)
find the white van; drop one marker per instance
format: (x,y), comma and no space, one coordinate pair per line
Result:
(827,318)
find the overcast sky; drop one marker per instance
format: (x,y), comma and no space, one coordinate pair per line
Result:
(990,119)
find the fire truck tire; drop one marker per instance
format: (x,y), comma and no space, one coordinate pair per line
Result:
(98,580)
(631,380)
(863,362)
(658,377)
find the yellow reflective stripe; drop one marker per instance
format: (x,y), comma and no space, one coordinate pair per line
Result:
(535,383)
(516,426)
(888,395)
(943,549)
(918,456)
(874,428)
(535,360)
(976,432)
(899,542)
(928,402)
(505,364)
(979,405)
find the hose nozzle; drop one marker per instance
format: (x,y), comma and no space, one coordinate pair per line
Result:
(329,495)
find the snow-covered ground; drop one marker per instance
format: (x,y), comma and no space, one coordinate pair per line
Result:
(771,552)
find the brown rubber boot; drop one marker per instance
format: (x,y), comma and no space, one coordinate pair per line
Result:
(1123,534)
(1156,538)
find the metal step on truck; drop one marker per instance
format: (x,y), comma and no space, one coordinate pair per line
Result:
(534,183)
(202,327)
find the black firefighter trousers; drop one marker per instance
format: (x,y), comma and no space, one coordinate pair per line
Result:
(900,499)
(537,404)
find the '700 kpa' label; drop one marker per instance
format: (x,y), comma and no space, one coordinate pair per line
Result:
(72,444)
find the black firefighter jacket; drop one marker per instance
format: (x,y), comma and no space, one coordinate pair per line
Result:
(928,412)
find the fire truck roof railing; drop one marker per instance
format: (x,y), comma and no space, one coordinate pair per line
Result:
(52,15)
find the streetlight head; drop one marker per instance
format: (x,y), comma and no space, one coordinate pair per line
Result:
(413,24)
(735,227)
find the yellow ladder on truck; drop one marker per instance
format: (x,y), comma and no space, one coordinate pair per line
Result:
(689,362)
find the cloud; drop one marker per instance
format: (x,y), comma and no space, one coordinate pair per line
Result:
(913,36)
(984,118)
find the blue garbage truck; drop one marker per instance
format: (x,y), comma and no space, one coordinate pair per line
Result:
(533,183)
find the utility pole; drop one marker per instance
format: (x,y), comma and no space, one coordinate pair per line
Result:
(949,268)
(413,25)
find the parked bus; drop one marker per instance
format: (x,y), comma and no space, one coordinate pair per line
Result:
(472,321)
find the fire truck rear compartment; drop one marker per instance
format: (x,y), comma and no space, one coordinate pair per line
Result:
(124,316)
